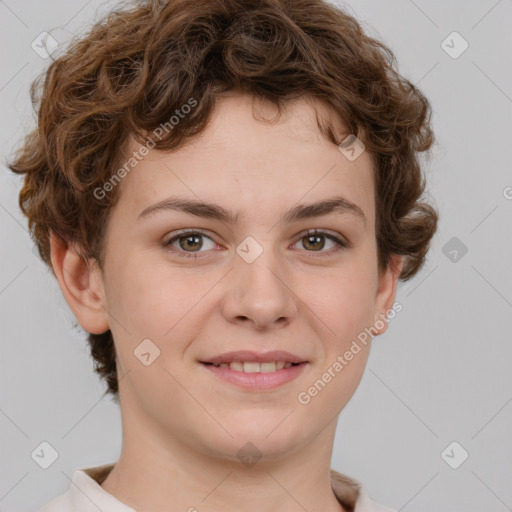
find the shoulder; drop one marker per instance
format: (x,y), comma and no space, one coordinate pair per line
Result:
(365,504)
(61,503)
(85,493)
(353,496)
(83,480)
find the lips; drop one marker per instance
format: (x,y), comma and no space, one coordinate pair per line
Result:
(248,356)
(254,376)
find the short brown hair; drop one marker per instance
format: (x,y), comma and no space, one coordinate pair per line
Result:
(136,66)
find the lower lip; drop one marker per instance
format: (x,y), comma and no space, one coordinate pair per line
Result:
(258,380)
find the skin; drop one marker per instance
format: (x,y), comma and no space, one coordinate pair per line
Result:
(182,426)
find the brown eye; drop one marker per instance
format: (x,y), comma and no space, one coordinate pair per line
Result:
(193,242)
(190,242)
(315,241)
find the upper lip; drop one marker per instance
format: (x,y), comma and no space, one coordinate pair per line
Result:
(259,357)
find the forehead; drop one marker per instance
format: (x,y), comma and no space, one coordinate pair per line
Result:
(240,160)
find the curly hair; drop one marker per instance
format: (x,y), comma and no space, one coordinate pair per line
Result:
(138,65)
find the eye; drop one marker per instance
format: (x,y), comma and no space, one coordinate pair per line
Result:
(314,241)
(189,242)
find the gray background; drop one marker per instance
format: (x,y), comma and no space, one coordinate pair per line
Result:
(442,371)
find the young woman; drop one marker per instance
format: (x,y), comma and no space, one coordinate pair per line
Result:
(228,192)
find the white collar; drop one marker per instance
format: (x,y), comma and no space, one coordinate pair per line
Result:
(86,494)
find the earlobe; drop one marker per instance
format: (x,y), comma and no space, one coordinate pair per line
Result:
(386,293)
(81,284)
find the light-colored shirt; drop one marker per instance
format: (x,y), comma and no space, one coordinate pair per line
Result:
(85,494)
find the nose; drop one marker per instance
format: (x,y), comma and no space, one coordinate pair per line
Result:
(260,293)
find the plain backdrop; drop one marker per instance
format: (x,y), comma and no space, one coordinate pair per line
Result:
(438,385)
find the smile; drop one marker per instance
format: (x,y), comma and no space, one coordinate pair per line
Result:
(254,376)
(255,367)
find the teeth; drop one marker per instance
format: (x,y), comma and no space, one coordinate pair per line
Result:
(251,367)
(254,367)
(268,367)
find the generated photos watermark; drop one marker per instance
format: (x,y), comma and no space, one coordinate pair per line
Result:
(305,397)
(142,151)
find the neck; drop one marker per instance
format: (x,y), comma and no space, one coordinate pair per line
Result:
(159,472)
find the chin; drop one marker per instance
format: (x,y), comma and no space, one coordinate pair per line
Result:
(263,441)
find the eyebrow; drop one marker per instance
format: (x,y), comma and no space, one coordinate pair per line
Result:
(214,211)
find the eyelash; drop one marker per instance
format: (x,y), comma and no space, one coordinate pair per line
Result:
(193,255)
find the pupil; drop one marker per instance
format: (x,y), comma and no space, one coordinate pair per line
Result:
(192,237)
(312,240)
(315,237)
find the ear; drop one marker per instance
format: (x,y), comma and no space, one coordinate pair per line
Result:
(81,283)
(386,291)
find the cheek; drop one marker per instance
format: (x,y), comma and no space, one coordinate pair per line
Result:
(345,302)
(329,392)
(145,294)
(343,299)
(153,302)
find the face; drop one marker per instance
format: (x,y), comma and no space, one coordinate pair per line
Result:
(264,283)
